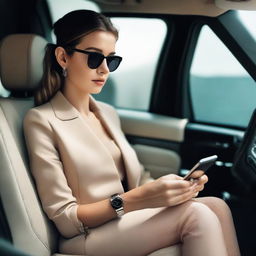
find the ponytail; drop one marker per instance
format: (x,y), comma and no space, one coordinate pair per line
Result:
(52,80)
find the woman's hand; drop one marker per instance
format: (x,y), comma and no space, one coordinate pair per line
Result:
(169,190)
(199,183)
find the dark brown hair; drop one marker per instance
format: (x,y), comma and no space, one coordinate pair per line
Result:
(69,31)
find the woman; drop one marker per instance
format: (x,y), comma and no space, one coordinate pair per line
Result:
(88,177)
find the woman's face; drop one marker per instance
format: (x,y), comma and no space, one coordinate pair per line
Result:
(79,76)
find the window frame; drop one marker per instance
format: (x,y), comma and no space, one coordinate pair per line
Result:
(223,27)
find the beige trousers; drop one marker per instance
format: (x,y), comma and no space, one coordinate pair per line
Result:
(202,226)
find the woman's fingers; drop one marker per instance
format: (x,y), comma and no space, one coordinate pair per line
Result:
(203,179)
(170,190)
(162,185)
(183,194)
(181,198)
(200,181)
(171,177)
(195,194)
(173,185)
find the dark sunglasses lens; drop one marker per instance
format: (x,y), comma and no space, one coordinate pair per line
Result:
(94,59)
(113,62)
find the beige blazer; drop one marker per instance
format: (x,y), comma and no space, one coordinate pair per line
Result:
(71,166)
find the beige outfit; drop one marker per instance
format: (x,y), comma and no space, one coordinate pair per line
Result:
(101,132)
(74,163)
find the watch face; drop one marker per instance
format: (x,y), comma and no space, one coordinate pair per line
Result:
(117,202)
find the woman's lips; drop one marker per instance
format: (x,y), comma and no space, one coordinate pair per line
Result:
(99,82)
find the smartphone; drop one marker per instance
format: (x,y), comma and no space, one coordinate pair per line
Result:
(200,168)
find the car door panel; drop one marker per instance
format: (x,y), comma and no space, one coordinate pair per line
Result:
(156,140)
(149,125)
(204,140)
(158,161)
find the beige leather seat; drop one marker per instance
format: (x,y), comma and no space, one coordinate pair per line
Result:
(20,71)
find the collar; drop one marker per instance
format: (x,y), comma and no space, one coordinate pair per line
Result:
(64,110)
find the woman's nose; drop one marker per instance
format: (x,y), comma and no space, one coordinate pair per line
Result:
(103,68)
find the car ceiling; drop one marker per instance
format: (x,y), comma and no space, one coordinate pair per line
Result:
(185,7)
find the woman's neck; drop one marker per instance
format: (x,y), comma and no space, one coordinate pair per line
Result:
(79,100)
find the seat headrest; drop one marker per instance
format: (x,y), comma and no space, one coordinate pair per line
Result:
(21,61)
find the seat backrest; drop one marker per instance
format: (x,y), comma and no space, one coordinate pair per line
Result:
(21,58)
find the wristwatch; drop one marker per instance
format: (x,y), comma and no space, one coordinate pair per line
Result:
(116,202)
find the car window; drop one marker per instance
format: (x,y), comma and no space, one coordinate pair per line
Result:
(248,19)
(140,43)
(3,91)
(221,90)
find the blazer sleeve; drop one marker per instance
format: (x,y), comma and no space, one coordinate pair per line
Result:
(52,186)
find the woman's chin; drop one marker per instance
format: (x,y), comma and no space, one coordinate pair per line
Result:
(96,91)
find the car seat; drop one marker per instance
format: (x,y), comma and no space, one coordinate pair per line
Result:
(21,57)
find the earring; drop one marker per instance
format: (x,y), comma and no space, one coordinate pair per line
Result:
(64,72)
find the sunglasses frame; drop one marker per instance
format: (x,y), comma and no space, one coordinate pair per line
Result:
(102,56)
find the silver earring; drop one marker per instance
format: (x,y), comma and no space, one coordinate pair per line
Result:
(64,72)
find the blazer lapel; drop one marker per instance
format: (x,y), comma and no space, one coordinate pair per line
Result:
(62,108)
(129,157)
(65,111)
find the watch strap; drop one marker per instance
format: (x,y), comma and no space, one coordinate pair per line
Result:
(120,211)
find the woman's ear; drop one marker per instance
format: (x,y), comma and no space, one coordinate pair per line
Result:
(61,56)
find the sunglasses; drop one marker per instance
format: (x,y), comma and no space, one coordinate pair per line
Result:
(95,59)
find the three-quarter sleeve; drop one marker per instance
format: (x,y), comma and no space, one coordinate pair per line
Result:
(47,169)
